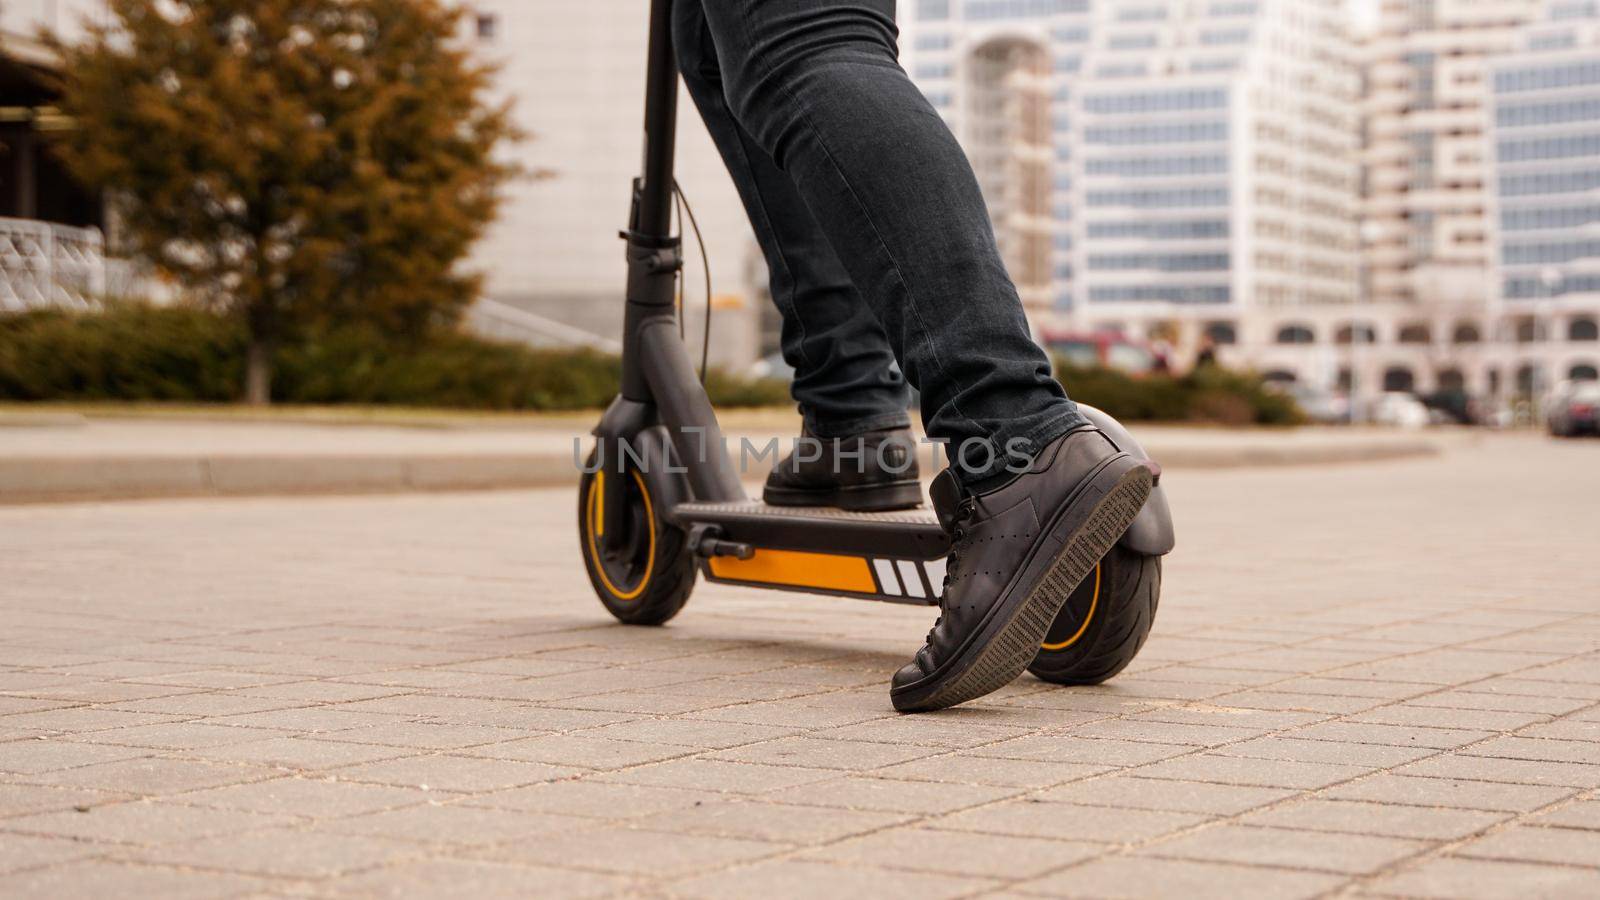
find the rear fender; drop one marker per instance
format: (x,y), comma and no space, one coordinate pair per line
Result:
(1151,533)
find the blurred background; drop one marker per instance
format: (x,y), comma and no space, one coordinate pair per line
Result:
(1229,211)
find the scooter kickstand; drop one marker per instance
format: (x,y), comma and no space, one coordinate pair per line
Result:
(706,540)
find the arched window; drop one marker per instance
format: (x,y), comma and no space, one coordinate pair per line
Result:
(1529,331)
(1416,333)
(1296,334)
(1222,333)
(1451,380)
(1583,329)
(1355,333)
(1399,378)
(1280,376)
(1583,372)
(1466,333)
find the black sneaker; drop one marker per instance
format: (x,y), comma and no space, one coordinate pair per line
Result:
(1017,553)
(867,472)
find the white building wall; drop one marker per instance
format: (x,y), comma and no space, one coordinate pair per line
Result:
(25,18)
(575,72)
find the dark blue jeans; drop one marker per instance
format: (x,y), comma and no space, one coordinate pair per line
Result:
(873,227)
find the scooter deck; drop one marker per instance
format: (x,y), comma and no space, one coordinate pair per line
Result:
(896,556)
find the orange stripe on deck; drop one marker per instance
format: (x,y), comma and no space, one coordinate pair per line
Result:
(824,571)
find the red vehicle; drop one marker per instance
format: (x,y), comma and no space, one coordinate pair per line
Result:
(1102,349)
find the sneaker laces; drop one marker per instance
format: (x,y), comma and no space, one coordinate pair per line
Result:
(958,535)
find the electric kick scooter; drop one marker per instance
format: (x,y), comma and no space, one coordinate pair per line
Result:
(661,501)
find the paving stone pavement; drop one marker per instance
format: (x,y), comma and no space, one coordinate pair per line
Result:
(1366,680)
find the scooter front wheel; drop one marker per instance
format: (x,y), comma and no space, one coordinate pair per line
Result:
(1104,623)
(643,576)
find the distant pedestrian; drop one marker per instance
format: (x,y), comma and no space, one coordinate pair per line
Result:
(1207,356)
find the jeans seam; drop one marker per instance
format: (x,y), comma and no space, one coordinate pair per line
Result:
(894,264)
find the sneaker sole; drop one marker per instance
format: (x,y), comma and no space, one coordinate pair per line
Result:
(991,663)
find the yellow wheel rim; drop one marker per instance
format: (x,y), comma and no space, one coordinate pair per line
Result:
(1094,603)
(592,528)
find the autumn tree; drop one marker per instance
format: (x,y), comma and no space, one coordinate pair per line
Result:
(293,162)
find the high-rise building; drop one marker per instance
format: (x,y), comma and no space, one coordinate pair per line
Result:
(1425,232)
(1545,127)
(1200,169)
(1215,175)
(1426,169)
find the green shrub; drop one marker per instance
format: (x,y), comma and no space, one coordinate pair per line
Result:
(127,352)
(1210,395)
(182,354)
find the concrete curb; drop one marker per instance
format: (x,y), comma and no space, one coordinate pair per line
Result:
(69,479)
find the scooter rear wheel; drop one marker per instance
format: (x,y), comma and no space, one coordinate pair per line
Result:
(1105,621)
(647,578)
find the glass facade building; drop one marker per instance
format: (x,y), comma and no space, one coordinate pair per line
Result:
(1545,145)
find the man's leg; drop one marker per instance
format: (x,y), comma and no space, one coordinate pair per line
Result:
(818,86)
(845,380)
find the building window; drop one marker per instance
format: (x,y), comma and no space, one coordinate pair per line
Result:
(488,26)
(1355,334)
(1161,293)
(1416,334)
(1583,372)
(1466,333)
(1142,102)
(1296,334)
(1399,378)
(1222,333)
(1583,330)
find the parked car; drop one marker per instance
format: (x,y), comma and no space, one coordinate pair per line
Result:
(1322,406)
(1399,409)
(1102,350)
(1574,409)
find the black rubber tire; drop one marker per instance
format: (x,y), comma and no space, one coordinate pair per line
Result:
(1104,623)
(654,579)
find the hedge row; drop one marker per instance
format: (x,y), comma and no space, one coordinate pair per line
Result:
(180,354)
(1209,394)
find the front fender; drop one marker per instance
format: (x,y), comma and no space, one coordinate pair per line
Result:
(632,438)
(1151,533)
